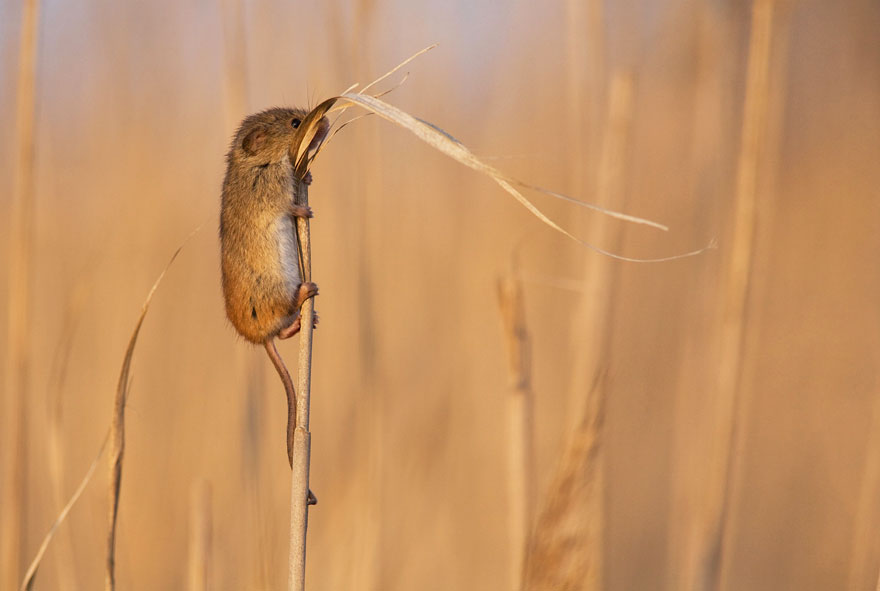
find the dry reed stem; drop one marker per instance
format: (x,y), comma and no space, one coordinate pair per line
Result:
(28,581)
(55,447)
(299,487)
(561,555)
(566,550)
(16,382)
(235,60)
(200,532)
(865,541)
(117,428)
(366,569)
(520,456)
(593,314)
(727,422)
(585,78)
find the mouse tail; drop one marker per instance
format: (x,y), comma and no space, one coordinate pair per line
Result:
(289,390)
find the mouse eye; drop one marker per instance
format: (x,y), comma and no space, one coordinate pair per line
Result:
(295,123)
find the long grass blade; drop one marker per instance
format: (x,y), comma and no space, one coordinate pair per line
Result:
(29,577)
(447,144)
(117,428)
(115,431)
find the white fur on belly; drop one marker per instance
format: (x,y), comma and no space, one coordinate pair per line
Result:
(285,233)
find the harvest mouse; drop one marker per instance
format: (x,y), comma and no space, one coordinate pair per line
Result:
(262,285)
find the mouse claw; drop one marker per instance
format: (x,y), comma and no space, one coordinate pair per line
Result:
(308,178)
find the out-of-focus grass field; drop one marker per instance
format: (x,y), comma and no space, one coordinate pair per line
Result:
(135,104)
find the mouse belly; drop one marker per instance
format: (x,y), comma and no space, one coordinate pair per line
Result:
(260,281)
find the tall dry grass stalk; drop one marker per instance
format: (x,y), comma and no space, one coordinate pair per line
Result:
(117,430)
(16,380)
(520,424)
(114,430)
(592,315)
(234,61)
(865,543)
(54,431)
(299,487)
(200,535)
(566,541)
(567,549)
(371,404)
(705,566)
(585,79)
(31,573)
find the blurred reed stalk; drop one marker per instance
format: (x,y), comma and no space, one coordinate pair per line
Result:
(16,381)
(370,404)
(585,92)
(54,431)
(200,533)
(235,61)
(566,550)
(299,487)
(566,544)
(865,542)
(706,565)
(520,430)
(592,318)
(117,427)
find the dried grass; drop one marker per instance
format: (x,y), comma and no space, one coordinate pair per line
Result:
(17,368)
(562,553)
(520,424)
(117,428)
(727,420)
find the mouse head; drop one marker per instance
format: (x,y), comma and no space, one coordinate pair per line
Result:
(265,137)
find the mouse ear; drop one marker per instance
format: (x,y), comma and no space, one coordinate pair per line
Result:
(254,140)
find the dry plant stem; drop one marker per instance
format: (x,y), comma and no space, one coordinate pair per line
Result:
(28,581)
(299,487)
(117,430)
(14,416)
(199,555)
(569,524)
(520,458)
(567,549)
(727,423)
(55,444)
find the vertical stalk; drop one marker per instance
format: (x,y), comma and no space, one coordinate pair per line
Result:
(199,555)
(299,488)
(727,420)
(520,459)
(15,384)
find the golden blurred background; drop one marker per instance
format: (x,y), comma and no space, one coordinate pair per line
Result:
(706,423)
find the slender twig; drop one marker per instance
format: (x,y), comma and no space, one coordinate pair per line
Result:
(299,488)
(14,419)
(520,464)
